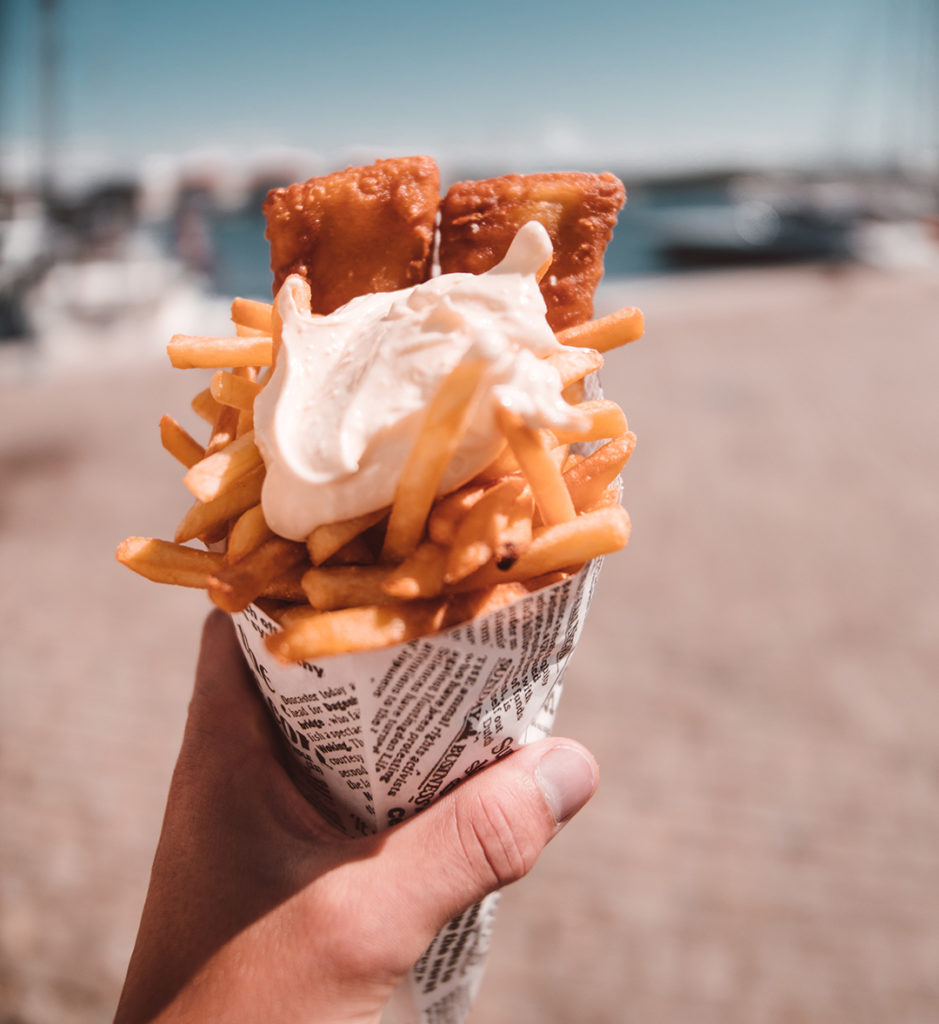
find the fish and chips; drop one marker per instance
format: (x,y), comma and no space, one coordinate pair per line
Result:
(430,557)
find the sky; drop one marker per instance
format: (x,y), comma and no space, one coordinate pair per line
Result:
(669,84)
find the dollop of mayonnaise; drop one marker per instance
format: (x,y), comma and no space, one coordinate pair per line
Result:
(338,418)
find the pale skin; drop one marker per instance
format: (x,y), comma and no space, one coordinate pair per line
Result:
(259,911)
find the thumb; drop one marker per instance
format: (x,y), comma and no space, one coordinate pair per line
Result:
(489,831)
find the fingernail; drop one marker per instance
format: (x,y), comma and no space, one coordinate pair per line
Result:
(567,780)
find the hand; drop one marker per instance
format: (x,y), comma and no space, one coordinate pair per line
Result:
(259,911)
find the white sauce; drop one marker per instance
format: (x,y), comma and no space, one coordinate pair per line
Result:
(340,414)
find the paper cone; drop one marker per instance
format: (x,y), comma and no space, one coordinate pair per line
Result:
(381,734)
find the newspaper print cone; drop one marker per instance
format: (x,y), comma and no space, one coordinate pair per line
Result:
(379,735)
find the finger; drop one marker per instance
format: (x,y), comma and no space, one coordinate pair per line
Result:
(489,831)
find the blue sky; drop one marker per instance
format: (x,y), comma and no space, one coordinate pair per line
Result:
(675,82)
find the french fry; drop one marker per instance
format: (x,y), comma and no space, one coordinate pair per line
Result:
(477,535)
(208,478)
(245,422)
(252,314)
(179,442)
(420,574)
(316,634)
(342,586)
(606,332)
(204,517)
(589,478)
(286,587)
(477,603)
(609,497)
(165,562)
(450,509)
(224,429)
(513,531)
(503,465)
(189,351)
(235,586)
(228,389)
(433,448)
(205,406)
(549,579)
(248,532)
(357,551)
(229,422)
(540,470)
(327,539)
(557,453)
(602,419)
(574,364)
(559,547)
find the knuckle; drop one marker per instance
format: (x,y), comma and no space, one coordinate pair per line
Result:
(497,847)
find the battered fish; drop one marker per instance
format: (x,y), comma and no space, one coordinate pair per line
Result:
(364,229)
(479,219)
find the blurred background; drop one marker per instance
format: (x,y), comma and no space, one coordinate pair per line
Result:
(758,678)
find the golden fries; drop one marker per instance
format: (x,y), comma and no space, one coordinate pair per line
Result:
(187,351)
(433,449)
(602,419)
(240,392)
(560,547)
(420,574)
(447,512)
(476,603)
(252,314)
(248,532)
(179,443)
(165,562)
(495,527)
(204,517)
(530,519)
(588,479)
(482,551)
(205,406)
(209,477)
(342,586)
(286,587)
(573,364)
(316,634)
(543,475)
(233,587)
(329,538)
(607,332)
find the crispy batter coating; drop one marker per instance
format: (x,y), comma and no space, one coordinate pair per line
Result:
(479,219)
(364,229)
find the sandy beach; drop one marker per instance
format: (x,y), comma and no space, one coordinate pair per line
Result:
(758,678)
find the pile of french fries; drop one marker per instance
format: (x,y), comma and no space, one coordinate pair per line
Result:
(427,563)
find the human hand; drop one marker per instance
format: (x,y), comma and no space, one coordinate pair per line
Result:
(259,911)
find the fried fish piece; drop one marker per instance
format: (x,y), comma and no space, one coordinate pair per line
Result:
(364,229)
(479,219)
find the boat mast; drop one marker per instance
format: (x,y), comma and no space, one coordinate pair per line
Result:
(49,126)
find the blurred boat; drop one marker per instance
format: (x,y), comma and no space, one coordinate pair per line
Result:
(871,217)
(86,284)
(96,311)
(750,231)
